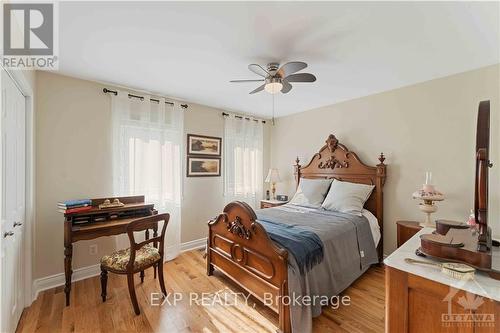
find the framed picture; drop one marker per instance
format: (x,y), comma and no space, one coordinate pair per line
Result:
(203,145)
(203,166)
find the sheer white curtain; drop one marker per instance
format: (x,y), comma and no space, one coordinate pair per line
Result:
(147,147)
(243,144)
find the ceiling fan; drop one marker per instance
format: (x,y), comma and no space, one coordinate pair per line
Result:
(278,78)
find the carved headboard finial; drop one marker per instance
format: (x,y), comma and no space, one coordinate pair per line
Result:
(332,142)
(297,161)
(381,158)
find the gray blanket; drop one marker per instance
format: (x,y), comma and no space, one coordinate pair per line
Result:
(349,250)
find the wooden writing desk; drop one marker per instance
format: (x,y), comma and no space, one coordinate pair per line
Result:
(96,223)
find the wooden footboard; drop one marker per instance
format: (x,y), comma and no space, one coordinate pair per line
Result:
(240,247)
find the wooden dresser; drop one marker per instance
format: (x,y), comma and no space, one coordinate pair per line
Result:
(422,299)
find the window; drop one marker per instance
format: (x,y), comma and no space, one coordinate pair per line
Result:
(243,142)
(147,148)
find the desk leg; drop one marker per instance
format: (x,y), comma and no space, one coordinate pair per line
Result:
(68,255)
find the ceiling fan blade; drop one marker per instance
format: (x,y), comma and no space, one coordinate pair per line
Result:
(286,87)
(258,69)
(290,68)
(258,89)
(233,81)
(301,77)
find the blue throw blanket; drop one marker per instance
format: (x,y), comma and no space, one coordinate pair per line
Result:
(305,245)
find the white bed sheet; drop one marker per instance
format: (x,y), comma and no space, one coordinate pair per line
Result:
(374,227)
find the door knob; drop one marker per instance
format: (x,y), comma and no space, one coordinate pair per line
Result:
(8,233)
(17,224)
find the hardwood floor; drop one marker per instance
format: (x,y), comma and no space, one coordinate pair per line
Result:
(185,274)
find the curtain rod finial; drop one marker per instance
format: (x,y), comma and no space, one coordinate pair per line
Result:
(106,90)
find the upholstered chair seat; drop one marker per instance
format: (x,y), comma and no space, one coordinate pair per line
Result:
(118,260)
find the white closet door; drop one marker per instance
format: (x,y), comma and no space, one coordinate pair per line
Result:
(13,123)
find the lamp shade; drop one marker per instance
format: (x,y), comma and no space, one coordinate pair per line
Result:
(273,176)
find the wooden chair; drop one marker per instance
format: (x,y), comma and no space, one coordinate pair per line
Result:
(138,257)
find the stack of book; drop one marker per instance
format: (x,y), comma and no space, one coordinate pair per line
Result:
(74,206)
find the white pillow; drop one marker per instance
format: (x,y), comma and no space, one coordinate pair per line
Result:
(347,197)
(311,192)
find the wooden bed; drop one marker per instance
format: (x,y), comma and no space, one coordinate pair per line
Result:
(240,247)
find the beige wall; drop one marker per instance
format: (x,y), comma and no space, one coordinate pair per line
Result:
(73,160)
(203,196)
(427,126)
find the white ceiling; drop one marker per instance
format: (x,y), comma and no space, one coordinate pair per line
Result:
(191,50)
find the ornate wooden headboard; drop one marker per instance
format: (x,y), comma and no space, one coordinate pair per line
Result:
(334,160)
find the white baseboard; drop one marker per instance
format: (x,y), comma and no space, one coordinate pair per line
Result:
(56,280)
(194,244)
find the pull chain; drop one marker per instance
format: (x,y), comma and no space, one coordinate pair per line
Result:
(273,109)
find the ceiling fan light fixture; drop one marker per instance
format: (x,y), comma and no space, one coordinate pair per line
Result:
(278,79)
(273,85)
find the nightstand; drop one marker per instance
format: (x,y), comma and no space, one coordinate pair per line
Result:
(406,230)
(271,203)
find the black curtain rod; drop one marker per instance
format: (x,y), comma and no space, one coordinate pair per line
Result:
(241,117)
(114,92)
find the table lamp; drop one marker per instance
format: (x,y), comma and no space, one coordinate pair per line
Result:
(428,194)
(273,177)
